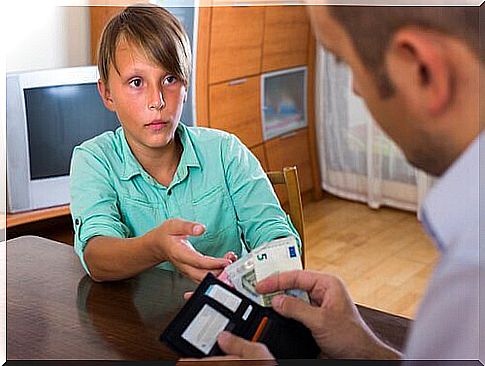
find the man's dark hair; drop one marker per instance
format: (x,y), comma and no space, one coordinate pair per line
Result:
(371,29)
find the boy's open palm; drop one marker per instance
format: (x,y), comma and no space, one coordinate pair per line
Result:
(173,238)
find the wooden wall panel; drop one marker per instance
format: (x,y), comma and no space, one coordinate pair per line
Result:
(236,42)
(286,32)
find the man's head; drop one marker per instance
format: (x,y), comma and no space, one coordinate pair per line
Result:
(154,31)
(417,68)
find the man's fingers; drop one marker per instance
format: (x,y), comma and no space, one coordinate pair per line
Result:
(233,345)
(292,307)
(183,227)
(299,279)
(188,295)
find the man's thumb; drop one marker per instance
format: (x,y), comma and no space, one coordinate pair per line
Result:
(236,346)
(292,307)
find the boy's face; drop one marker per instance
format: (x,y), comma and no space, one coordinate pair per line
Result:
(147,99)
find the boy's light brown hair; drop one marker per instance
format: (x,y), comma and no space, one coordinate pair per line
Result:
(372,27)
(156,32)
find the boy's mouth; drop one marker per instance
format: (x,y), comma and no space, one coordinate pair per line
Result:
(157,124)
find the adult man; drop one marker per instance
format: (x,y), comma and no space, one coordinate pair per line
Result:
(419,71)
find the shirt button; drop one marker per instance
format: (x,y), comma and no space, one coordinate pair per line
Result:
(77,222)
(169,193)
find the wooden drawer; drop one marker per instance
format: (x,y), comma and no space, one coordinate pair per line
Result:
(258,151)
(236,107)
(289,150)
(286,33)
(236,42)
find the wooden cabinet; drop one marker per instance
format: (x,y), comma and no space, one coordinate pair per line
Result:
(99,17)
(236,42)
(235,107)
(286,32)
(289,150)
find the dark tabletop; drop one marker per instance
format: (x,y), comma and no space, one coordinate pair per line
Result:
(54,311)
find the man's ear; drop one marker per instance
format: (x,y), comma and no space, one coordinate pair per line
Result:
(418,67)
(105,93)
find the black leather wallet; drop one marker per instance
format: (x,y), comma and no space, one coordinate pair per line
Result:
(215,307)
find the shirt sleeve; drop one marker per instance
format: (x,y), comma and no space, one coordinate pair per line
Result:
(258,211)
(447,324)
(94,206)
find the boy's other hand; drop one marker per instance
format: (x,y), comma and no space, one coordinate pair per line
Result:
(172,245)
(230,256)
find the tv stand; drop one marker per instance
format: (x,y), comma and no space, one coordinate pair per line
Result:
(53,223)
(26,217)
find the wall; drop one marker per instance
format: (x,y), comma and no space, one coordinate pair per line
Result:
(46,36)
(39,37)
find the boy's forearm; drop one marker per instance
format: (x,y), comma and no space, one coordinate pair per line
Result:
(110,259)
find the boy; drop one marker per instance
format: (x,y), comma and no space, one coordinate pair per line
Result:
(129,187)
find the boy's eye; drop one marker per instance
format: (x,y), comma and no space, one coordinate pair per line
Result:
(136,83)
(170,80)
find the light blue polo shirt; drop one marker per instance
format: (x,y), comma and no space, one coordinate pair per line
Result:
(218,183)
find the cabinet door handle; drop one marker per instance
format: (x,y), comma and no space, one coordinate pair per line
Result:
(237,82)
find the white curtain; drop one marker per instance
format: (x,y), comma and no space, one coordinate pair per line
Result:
(357,160)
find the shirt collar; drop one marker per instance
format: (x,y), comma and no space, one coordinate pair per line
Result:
(452,204)
(131,165)
(188,159)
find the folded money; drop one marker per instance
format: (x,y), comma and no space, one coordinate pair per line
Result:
(277,256)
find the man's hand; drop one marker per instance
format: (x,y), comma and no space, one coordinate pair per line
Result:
(332,316)
(172,245)
(237,348)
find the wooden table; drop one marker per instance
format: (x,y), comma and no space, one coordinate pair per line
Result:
(54,311)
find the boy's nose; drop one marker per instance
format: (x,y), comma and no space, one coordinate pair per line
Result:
(157,101)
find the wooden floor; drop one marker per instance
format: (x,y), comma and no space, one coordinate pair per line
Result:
(383,256)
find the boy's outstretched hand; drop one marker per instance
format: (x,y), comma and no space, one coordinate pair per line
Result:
(173,246)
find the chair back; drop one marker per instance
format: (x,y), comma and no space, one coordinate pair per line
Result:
(289,177)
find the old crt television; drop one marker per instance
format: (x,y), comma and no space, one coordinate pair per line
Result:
(49,112)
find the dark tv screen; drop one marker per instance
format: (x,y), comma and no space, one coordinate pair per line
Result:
(60,118)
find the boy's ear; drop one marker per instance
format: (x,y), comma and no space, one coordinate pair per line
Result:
(105,93)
